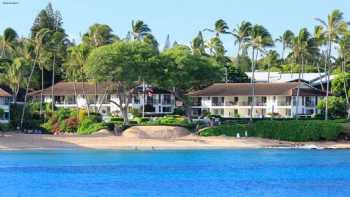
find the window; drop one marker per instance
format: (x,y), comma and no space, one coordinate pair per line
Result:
(219,112)
(166,109)
(166,99)
(136,99)
(149,100)
(218,101)
(6,116)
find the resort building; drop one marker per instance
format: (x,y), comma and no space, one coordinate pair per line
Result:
(234,100)
(98,97)
(5,101)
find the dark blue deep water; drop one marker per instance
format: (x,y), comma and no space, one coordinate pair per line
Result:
(175,173)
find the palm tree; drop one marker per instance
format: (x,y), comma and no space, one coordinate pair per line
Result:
(14,76)
(241,34)
(38,42)
(260,38)
(320,41)
(303,46)
(286,40)
(333,27)
(98,35)
(272,59)
(220,27)
(75,63)
(8,43)
(343,51)
(139,29)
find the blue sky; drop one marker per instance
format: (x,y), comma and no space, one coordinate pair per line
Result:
(182,19)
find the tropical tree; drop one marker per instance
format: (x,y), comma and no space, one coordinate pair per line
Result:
(198,44)
(14,76)
(98,35)
(183,72)
(241,34)
(38,42)
(122,63)
(220,27)
(303,46)
(333,26)
(75,64)
(139,29)
(8,43)
(320,41)
(343,51)
(286,39)
(259,40)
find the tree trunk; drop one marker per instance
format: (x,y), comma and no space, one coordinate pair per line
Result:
(298,88)
(85,96)
(96,98)
(42,89)
(53,83)
(327,72)
(252,83)
(268,72)
(319,73)
(27,90)
(75,91)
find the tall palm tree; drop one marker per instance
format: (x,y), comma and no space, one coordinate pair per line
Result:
(98,35)
(272,59)
(14,76)
(303,47)
(286,40)
(319,41)
(77,56)
(220,27)
(260,38)
(343,51)
(241,34)
(333,26)
(8,43)
(38,42)
(139,29)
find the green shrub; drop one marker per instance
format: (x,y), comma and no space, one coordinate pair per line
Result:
(226,129)
(170,120)
(89,126)
(289,130)
(336,107)
(297,130)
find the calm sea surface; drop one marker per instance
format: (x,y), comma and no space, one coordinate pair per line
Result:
(175,173)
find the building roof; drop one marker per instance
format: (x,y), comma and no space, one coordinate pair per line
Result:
(277,77)
(3,93)
(261,89)
(67,88)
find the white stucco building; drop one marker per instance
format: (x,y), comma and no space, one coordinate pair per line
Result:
(234,100)
(99,97)
(5,101)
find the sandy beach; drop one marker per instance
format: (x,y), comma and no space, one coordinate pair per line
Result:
(15,141)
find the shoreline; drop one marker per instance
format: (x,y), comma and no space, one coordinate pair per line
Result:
(18,142)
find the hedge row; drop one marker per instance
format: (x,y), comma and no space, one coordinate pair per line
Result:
(226,129)
(289,130)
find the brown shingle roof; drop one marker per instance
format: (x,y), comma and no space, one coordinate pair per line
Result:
(3,93)
(261,89)
(67,88)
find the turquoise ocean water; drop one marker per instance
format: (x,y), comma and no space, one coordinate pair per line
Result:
(260,172)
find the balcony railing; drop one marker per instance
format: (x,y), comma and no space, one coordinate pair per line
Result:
(218,104)
(283,103)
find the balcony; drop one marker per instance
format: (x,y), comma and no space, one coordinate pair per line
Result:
(283,103)
(218,104)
